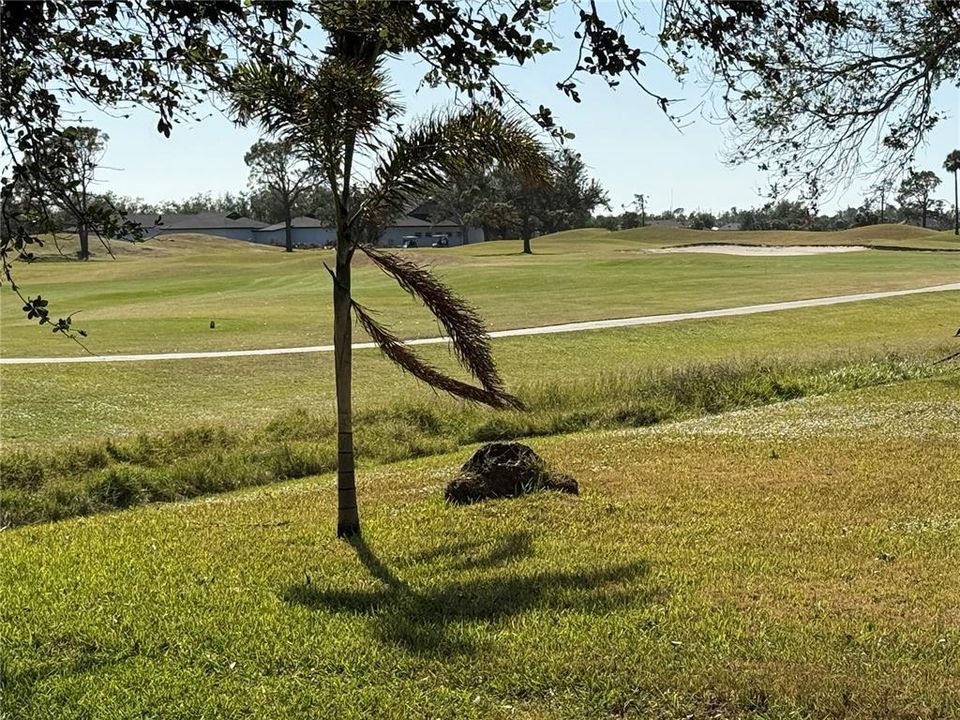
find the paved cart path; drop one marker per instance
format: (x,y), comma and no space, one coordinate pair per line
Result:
(519,332)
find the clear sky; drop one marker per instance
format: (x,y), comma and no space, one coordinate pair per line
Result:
(622,135)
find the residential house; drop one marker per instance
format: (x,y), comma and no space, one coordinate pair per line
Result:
(425,232)
(305,231)
(310,232)
(232,225)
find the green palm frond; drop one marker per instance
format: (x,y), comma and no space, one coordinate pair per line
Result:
(460,321)
(444,146)
(315,111)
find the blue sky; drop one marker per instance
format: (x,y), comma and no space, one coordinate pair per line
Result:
(628,143)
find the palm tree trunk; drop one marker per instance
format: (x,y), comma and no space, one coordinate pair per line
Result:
(82,228)
(956,207)
(348,517)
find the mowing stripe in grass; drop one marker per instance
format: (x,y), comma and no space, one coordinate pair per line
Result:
(518,332)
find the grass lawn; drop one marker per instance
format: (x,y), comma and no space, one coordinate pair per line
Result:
(70,403)
(787,560)
(876,236)
(795,561)
(161,296)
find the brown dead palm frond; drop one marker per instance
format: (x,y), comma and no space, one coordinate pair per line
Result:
(459,319)
(401,354)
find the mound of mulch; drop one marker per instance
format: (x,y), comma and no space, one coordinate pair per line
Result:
(504,470)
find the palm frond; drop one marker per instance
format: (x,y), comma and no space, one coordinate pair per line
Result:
(337,99)
(444,146)
(459,319)
(393,348)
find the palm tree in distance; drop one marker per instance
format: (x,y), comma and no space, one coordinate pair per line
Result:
(952,165)
(339,115)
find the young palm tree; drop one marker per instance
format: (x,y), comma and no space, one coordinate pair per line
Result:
(952,165)
(338,116)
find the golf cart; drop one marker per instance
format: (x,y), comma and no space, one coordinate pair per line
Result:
(442,241)
(409,241)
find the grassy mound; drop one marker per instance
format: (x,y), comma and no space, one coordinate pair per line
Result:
(65,247)
(908,236)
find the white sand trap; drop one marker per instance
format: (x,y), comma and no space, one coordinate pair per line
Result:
(763,250)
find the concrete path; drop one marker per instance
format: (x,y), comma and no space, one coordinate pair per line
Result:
(519,332)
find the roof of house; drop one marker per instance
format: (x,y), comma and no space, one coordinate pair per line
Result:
(209,221)
(151,220)
(424,210)
(303,221)
(405,221)
(144,219)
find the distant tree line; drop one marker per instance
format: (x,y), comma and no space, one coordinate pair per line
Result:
(261,204)
(912,203)
(492,198)
(505,206)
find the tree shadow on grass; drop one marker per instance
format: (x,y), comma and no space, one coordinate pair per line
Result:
(432,620)
(467,555)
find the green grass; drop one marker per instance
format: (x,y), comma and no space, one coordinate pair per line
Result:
(794,560)
(67,404)
(709,570)
(161,296)
(100,475)
(873,236)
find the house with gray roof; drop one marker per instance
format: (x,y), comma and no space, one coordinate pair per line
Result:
(310,232)
(229,225)
(419,228)
(232,225)
(305,231)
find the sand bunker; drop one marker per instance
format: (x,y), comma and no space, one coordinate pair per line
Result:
(763,250)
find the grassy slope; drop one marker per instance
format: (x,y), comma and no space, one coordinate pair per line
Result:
(708,570)
(880,236)
(79,402)
(162,296)
(104,474)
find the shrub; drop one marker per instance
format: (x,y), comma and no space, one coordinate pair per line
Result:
(21,470)
(119,486)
